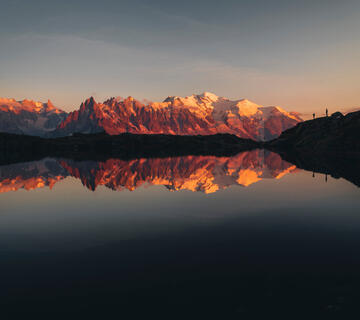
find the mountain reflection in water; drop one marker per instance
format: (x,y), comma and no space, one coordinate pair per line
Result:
(265,247)
(207,174)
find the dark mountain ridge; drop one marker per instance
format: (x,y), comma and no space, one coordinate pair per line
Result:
(327,145)
(337,134)
(126,145)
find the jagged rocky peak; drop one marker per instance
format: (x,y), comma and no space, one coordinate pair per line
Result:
(28,106)
(88,104)
(131,101)
(171,98)
(197,114)
(50,105)
(29,117)
(90,101)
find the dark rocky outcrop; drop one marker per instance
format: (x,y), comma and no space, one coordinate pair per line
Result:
(336,166)
(328,145)
(334,135)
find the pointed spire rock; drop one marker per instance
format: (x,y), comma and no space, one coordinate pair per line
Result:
(91,100)
(50,105)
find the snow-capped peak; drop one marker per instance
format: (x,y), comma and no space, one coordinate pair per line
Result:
(12,105)
(209,95)
(29,117)
(202,114)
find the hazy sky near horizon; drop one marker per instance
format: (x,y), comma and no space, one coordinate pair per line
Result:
(299,54)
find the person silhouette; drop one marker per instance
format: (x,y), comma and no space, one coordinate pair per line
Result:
(313,115)
(327,112)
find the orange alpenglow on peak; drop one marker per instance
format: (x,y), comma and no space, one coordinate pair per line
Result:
(198,114)
(29,117)
(203,114)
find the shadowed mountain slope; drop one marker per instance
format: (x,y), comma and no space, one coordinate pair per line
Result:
(336,134)
(29,117)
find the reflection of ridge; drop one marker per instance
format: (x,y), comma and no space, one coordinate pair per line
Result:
(31,175)
(195,173)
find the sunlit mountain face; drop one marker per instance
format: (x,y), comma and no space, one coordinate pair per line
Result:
(206,174)
(29,117)
(203,114)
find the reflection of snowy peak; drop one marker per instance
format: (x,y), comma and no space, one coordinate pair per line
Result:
(31,175)
(29,117)
(206,174)
(196,114)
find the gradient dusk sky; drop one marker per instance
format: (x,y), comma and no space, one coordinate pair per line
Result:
(299,54)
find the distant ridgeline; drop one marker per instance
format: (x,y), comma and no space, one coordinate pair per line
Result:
(205,114)
(330,145)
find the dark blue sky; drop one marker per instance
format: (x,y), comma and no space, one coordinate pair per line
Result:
(297,54)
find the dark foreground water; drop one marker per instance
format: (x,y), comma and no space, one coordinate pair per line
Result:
(188,237)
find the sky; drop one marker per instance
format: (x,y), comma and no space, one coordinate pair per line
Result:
(301,55)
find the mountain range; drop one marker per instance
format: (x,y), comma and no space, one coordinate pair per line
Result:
(29,117)
(203,114)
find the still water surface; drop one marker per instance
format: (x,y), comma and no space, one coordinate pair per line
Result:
(194,235)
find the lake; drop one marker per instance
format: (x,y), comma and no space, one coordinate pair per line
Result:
(177,237)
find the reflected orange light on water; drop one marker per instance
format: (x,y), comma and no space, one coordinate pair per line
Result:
(206,174)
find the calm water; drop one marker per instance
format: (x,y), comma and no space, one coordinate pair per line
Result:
(187,236)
